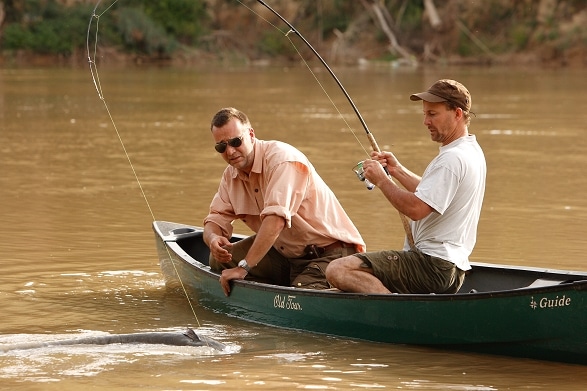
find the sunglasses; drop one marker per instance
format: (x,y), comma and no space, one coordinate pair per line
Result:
(233,142)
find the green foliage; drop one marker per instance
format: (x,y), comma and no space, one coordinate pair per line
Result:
(464,46)
(17,37)
(140,34)
(24,10)
(159,27)
(47,27)
(521,35)
(407,15)
(185,20)
(146,27)
(273,43)
(339,17)
(331,15)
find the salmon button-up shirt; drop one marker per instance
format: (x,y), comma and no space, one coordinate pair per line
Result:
(284,183)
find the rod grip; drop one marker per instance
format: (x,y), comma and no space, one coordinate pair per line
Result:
(373,142)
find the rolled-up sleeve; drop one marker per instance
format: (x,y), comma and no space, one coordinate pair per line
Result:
(282,182)
(286,189)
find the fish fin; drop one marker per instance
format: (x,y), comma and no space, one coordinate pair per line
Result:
(191,334)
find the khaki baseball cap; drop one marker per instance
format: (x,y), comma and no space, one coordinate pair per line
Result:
(446,90)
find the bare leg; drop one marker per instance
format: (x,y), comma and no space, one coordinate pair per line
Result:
(349,274)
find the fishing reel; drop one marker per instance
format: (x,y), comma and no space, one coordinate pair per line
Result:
(358,169)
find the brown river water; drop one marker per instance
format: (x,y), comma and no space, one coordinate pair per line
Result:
(77,252)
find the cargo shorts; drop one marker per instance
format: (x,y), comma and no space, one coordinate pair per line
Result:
(274,268)
(413,271)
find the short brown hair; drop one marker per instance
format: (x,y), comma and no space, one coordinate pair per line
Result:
(466,114)
(223,116)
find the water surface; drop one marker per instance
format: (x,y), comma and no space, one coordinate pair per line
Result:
(78,253)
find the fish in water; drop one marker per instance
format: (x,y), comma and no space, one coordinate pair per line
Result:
(187,338)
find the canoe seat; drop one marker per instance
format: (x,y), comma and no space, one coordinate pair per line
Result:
(541,282)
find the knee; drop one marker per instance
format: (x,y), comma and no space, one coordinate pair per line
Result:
(333,270)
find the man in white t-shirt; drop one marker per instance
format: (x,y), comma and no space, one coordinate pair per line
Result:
(444,206)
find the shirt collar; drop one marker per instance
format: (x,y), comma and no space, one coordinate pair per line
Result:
(257,162)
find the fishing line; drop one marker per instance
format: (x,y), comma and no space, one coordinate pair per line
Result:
(92,50)
(287,35)
(404,219)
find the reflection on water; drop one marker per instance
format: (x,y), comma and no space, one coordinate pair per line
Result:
(78,252)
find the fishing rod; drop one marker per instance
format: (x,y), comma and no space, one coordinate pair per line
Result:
(370,137)
(346,94)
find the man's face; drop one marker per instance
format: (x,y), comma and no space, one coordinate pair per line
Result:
(240,157)
(441,122)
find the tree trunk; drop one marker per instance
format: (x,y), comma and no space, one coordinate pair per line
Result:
(384,21)
(435,21)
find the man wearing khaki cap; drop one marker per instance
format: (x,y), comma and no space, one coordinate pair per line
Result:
(444,206)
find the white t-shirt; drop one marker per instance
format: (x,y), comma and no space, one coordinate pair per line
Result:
(453,184)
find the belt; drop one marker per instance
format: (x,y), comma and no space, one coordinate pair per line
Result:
(313,251)
(337,244)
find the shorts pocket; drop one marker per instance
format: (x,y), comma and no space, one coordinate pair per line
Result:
(312,277)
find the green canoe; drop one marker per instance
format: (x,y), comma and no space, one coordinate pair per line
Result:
(506,310)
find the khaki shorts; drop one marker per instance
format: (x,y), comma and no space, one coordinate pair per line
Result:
(413,272)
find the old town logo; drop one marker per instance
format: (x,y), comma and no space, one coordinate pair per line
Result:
(286,302)
(545,302)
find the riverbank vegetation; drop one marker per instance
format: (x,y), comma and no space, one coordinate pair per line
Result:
(539,32)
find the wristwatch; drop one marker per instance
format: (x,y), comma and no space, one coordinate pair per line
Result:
(243,263)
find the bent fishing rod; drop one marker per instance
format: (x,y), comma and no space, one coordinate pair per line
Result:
(370,137)
(295,31)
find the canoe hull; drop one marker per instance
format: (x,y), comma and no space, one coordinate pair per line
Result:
(546,322)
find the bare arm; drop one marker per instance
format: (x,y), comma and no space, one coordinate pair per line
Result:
(404,200)
(407,178)
(270,229)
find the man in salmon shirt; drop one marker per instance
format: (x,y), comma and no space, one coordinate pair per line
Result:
(273,188)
